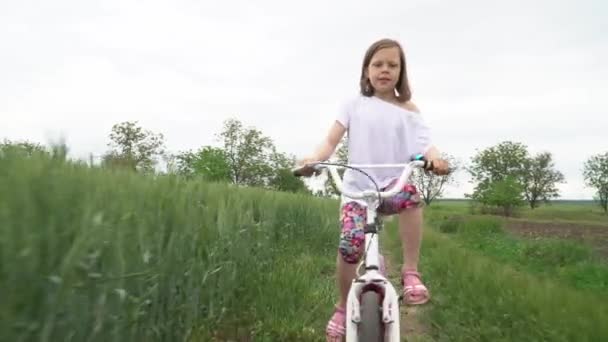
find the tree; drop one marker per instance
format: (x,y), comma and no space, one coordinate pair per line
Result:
(133,147)
(59,150)
(24,148)
(595,172)
(430,185)
(283,178)
(116,160)
(248,152)
(506,163)
(505,194)
(541,179)
(170,160)
(535,176)
(499,162)
(246,157)
(209,162)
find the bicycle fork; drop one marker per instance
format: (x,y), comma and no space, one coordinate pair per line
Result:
(390,309)
(372,280)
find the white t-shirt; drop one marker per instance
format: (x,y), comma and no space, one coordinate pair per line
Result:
(380,132)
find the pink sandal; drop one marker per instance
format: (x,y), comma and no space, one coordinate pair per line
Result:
(335,327)
(414,293)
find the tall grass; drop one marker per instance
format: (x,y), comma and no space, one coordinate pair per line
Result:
(88,255)
(92,255)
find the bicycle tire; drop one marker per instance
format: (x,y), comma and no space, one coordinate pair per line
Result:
(370,328)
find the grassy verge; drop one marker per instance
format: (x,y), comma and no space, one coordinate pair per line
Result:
(480,299)
(587,213)
(565,261)
(584,212)
(97,256)
(477,297)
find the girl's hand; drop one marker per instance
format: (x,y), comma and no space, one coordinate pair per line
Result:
(306,160)
(440,167)
(303,169)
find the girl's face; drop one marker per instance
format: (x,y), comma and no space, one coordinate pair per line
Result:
(383,70)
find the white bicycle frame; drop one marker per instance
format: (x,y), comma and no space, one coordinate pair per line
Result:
(372,276)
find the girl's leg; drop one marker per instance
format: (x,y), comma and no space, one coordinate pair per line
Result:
(408,204)
(345,274)
(410,229)
(352,243)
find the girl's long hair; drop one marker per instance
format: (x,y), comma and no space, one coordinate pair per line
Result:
(404,93)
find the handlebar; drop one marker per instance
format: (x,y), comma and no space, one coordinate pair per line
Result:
(315,168)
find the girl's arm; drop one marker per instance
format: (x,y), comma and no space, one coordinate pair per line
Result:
(328,145)
(440,166)
(432,153)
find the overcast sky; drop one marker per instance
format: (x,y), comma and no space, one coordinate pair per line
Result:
(482,72)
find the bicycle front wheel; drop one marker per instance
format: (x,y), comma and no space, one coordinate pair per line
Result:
(370,328)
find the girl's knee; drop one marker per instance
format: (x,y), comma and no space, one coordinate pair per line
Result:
(352,237)
(352,241)
(411,212)
(350,253)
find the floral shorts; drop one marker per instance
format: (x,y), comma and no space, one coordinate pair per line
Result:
(354,216)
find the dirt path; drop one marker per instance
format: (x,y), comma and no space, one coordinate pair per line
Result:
(413,329)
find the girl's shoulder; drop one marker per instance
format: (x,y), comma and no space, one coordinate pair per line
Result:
(410,106)
(352,103)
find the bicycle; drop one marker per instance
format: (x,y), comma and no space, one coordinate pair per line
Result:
(372,308)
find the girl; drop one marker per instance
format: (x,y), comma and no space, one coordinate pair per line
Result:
(384,127)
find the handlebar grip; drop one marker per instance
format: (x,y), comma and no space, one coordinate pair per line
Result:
(428,165)
(304,171)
